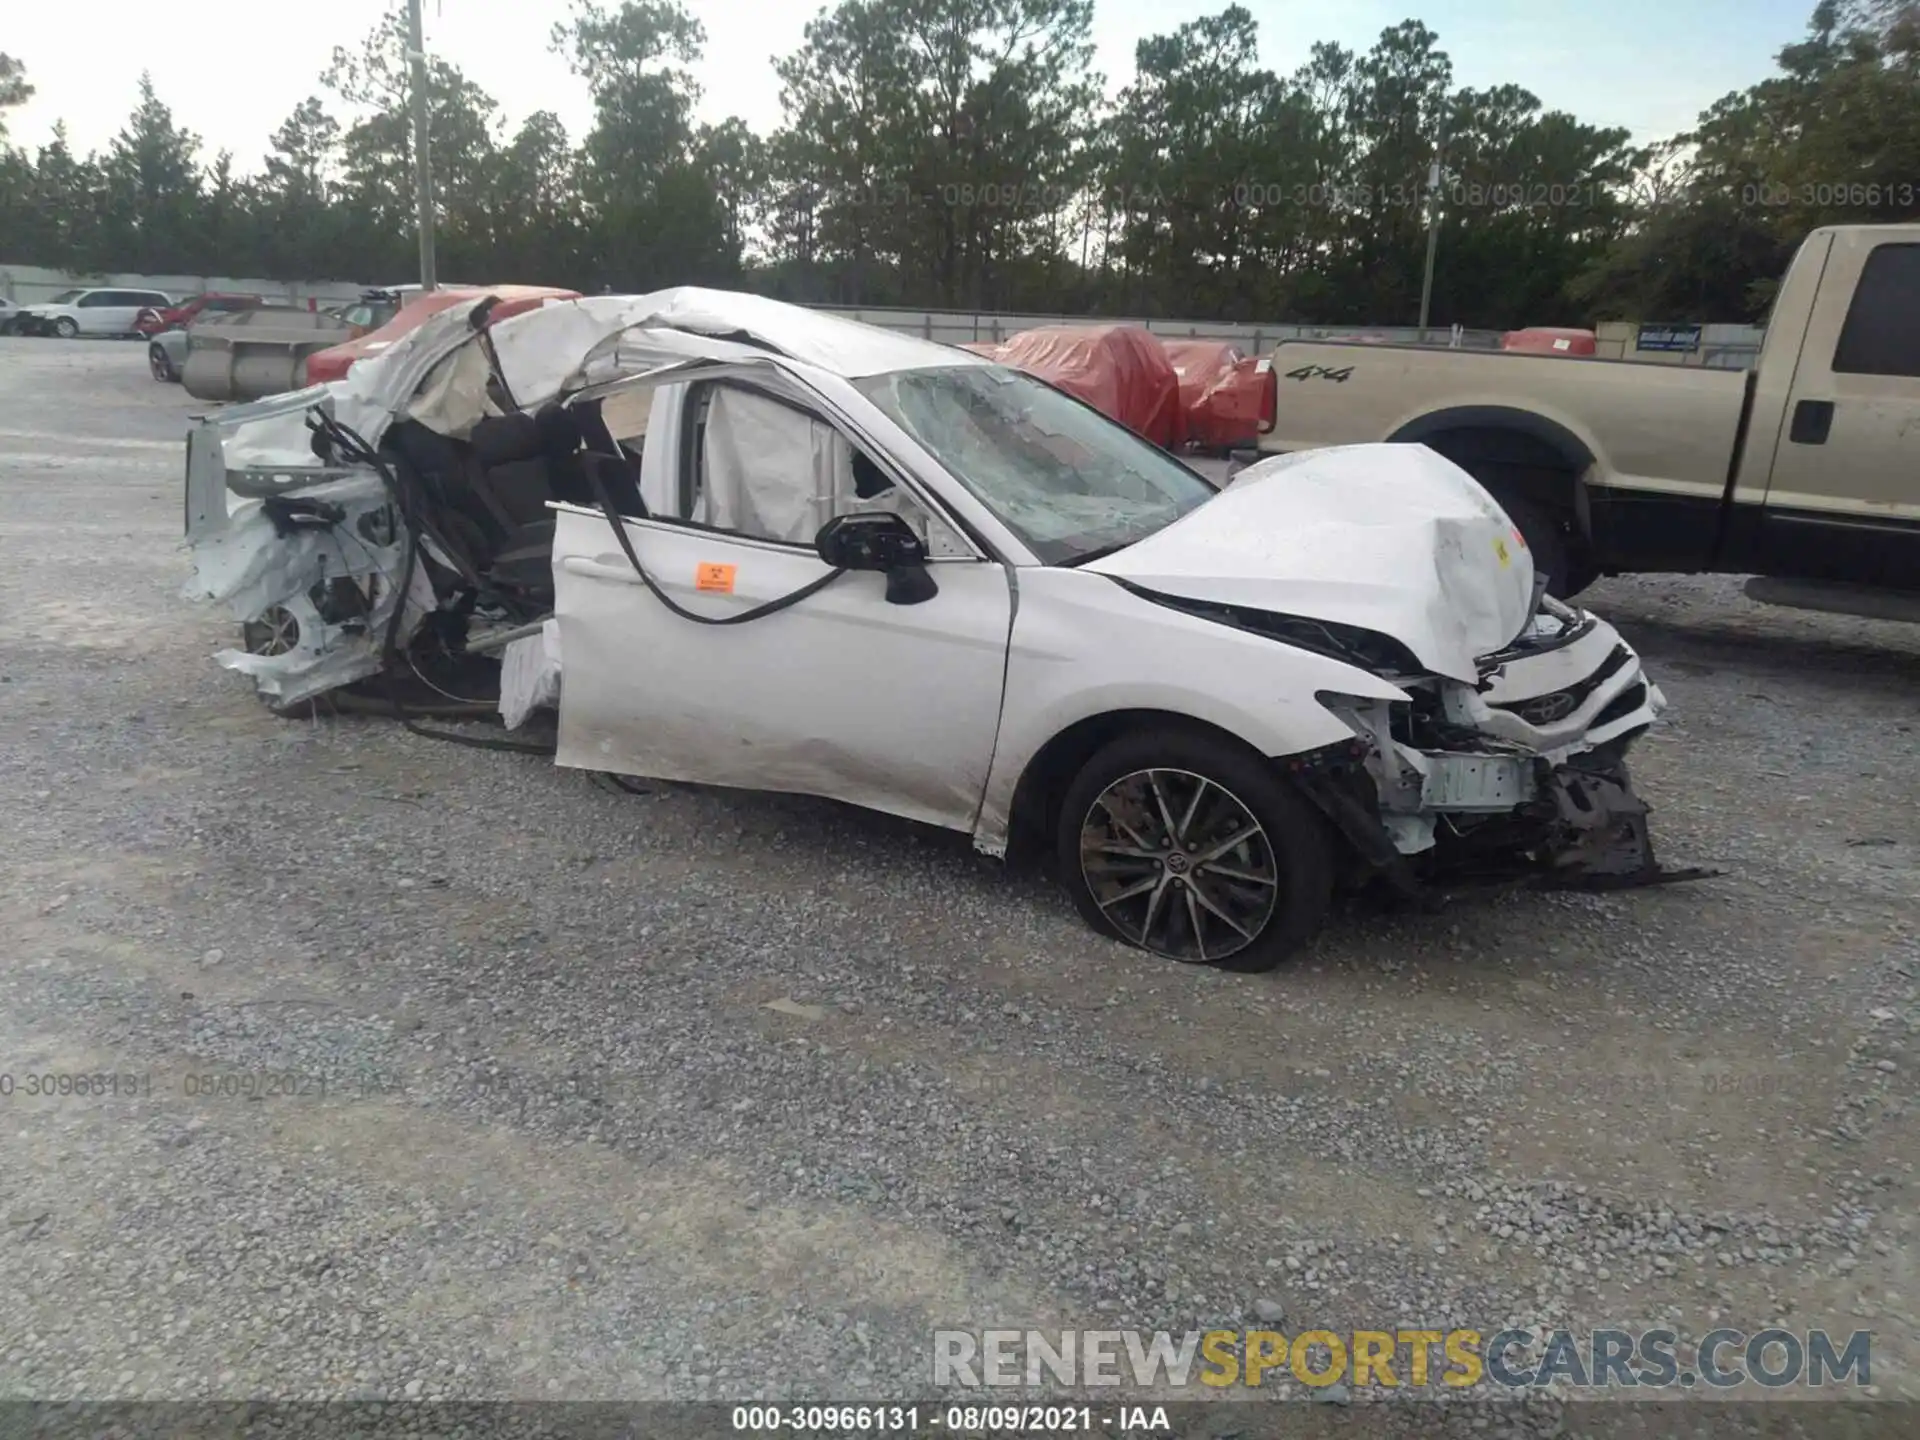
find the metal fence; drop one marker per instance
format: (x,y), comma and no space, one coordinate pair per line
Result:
(966,327)
(1722,346)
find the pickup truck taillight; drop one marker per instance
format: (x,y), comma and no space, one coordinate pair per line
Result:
(1269,396)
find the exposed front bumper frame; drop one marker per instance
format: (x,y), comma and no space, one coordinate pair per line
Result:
(1549,803)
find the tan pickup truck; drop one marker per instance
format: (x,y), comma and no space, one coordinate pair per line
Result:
(1804,471)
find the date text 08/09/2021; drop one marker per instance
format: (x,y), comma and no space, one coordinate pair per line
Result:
(949,1420)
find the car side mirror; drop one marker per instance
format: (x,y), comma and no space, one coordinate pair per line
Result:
(879,540)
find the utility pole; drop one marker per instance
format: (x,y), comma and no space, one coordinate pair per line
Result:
(1433,242)
(422,163)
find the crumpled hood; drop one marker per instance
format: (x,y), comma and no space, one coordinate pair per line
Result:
(1390,538)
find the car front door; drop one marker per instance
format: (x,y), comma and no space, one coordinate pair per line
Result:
(842,694)
(1843,501)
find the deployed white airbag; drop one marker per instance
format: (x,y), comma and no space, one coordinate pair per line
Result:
(769,470)
(530,675)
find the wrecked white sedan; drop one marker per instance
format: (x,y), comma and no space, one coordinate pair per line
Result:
(763,547)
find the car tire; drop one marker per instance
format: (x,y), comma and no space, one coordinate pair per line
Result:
(1247,907)
(66,327)
(160,367)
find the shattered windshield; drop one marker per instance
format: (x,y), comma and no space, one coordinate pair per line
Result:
(1069,482)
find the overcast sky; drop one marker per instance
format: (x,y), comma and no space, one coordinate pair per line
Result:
(233,69)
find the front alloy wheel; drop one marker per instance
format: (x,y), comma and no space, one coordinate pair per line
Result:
(1179,864)
(158,365)
(1188,845)
(66,327)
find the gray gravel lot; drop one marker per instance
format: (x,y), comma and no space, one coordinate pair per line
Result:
(708,1094)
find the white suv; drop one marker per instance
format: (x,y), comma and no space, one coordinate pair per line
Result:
(90,312)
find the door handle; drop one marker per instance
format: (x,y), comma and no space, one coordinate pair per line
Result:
(1812,420)
(599,570)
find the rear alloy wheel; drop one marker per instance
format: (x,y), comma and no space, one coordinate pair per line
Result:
(1193,848)
(66,327)
(160,366)
(275,632)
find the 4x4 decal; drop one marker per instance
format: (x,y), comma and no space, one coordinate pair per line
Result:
(1321,372)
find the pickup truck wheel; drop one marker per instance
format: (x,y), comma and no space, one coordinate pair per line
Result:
(1553,548)
(1192,847)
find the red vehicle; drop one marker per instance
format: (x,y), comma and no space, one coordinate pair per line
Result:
(367,314)
(1120,370)
(1549,340)
(328,365)
(1230,398)
(149,323)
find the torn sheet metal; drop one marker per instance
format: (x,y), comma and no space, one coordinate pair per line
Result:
(320,573)
(558,347)
(530,675)
(748,324)
(1610,845)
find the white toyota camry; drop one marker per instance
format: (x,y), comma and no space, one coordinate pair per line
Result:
(746,544)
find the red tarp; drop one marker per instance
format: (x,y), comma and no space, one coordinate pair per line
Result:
(1120,370)
(1549,340)
(1227,395)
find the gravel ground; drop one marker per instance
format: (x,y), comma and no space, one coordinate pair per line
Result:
(697,1094)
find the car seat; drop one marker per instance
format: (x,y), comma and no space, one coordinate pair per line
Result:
(564,431)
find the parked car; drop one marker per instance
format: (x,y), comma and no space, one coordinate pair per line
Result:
(380,303)
(151,322)
(368,313)
(1803,472)
(781,551)
(167,354)
(333,364)
(91,312)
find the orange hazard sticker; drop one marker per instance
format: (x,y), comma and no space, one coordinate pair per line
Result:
(709,576)
(1500,549)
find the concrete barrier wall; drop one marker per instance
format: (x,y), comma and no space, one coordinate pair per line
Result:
(33,284)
